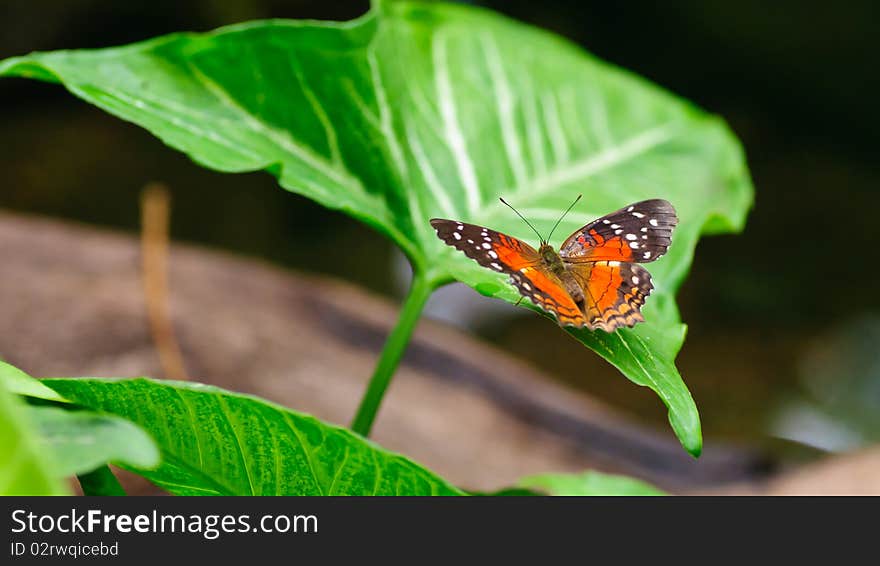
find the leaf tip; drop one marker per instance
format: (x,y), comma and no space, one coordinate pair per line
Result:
(686,425)
(692,441)
(27,67)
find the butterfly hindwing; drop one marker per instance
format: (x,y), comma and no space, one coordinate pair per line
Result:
(640,232)
(545,290)
(516,258)
(614,293)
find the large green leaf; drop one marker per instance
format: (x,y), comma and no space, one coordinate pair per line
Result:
(214,442)
(422,110)
(24,469)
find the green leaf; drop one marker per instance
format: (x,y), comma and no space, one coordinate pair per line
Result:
(81,441)
(214,442)
(588,483)
(20,383)
(422,110)
(24,468)
(78,441)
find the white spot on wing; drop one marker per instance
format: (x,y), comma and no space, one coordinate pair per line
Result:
(487,246)
(638,215)
(619,231)
(652,222)
(647,255)
(456,235)
(613,264)
(635,280)
(634,245)
(630,209)
(631,236)
(496,266)
(493,255)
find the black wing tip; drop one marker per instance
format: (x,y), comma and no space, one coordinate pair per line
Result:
(657,204)
(661,207)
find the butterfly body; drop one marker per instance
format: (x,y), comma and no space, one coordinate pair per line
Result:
(554,263)
(594,280)
(551,259)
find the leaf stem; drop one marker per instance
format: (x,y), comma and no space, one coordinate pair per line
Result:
(393,350)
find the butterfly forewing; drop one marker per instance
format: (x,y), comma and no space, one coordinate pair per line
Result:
(489,248)
(640,232)
(516,258)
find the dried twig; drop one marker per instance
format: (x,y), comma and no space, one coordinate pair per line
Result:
(155,213)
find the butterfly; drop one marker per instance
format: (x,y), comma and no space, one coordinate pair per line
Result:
(595,279)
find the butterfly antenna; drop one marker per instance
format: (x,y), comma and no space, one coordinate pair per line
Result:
(543,241)
(563,216)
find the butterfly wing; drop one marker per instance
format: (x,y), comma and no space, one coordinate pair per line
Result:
(516,258)
(614,293)
(489,248)
(640,232)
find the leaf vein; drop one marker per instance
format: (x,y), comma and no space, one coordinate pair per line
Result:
(306,451)
(280,138)
(505,107)
(320,113)
(339,469)
(232,421)
(454,137)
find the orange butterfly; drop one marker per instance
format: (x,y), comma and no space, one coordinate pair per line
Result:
(594,280)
